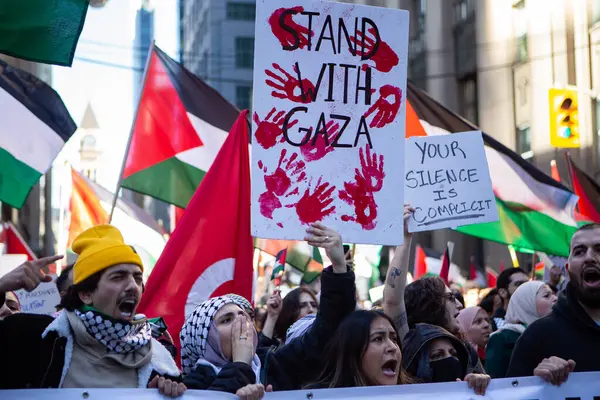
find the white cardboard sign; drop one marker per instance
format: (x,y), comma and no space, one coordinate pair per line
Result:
(329,120)
(42,300)
(448,182)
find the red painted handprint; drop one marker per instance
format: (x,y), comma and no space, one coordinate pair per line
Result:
(289,172)
(386,110)
(287,39)
(286,85)
(321,147)
(360,193)
(313,207)
(371,169)
(268,133)
(385,58)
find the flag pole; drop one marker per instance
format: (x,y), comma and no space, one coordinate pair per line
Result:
(135,116)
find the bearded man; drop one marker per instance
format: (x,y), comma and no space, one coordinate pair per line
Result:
(568,339)
(97,340)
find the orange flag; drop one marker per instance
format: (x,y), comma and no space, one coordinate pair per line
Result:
(85,207)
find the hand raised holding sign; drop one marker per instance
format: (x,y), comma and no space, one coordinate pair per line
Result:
(28,275)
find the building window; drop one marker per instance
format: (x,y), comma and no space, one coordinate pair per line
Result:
(241,11)
(243,95)
(524,142)
(595,8)
(244,52)
(468,99)
(520,27)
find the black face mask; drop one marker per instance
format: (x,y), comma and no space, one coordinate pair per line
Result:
(448,369)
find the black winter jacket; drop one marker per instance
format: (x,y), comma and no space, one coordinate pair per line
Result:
(415,352)
(297,363)
(568,332)
(28,361)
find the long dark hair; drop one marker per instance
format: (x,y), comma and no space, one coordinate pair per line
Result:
(425,301)
(290,310)
(346,349)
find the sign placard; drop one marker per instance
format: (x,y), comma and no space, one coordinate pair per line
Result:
(329,120)
(448,182)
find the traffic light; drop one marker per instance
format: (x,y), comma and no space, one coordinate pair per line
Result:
(564,118)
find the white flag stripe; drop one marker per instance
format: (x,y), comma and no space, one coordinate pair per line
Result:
(25,136)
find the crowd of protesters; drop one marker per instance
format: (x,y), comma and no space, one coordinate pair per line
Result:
(421,334)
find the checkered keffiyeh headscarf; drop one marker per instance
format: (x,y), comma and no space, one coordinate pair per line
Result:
(240,301)
(194,334)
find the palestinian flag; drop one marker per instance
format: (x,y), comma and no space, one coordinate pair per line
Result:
(301,256)
(181,124)
(492,277)
(43,31)
(429,262)
(34,126)
(535,211)
(279,267)
(445,269)
(90,204)
(588,191)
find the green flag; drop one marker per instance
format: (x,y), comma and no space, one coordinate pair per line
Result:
(43,31)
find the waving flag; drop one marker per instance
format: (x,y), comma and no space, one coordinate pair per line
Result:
(180,126)
(34,127)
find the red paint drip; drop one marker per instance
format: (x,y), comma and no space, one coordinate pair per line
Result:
(286,38)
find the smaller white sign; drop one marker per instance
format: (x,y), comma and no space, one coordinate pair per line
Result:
(43,300)
(448,182)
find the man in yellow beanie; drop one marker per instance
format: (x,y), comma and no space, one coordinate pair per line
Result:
(97,341)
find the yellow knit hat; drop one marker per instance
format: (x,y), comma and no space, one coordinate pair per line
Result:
(99,248)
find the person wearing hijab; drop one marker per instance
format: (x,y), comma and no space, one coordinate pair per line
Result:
(531,301)
(476,329)
(434,355)
(11,305)
(219,343)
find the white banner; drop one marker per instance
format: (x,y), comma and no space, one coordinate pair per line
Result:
(581,386)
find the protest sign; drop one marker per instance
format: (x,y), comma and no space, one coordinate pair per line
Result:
(42,300)
(580,386)
(329,120)
(448,182)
